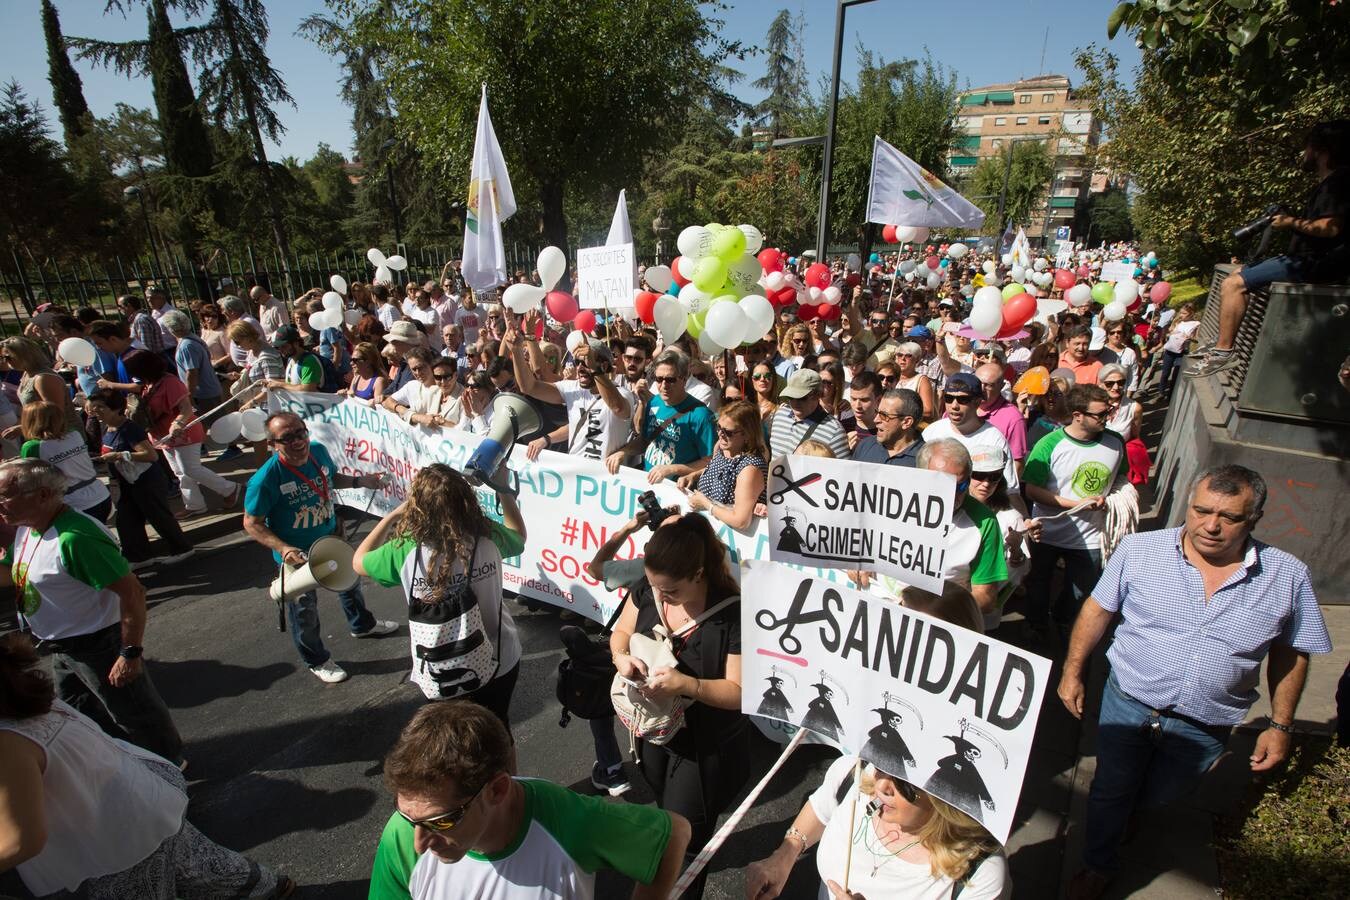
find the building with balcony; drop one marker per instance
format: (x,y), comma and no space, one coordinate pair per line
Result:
(1043,108)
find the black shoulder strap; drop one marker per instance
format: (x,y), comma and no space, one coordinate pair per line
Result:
(661,426)
(842,791)
(960,884)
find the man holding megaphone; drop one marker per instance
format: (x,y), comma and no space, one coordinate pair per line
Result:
(289,505)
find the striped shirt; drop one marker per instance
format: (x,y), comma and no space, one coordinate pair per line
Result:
(1175,651)
(786,431)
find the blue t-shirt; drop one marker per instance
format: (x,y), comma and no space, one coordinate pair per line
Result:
(684,440)
(191,354)
(291,508)
(332,343)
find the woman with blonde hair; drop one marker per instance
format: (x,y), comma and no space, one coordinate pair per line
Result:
(46,438)
(368,379)
(731,483)
(39,381)
(797,344)
(813,447)
(446,553)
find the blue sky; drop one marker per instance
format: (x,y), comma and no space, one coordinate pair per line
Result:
(984,41)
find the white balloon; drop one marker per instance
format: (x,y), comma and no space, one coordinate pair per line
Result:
(759,316)
(987,295)
(1007,259)
(1114,311)
(383,274)
(670,318)
(253,424)
(376,256)
(658,278)
(908,266)
(226,428)
(319,320)
(1150,256)
(774,281)
(1045,307)
(338,283)
(832,295)
(725,325)
(1032,290)
(333,300)
(909,276)
(707,345)
(814,293)
(853,263)
(77,351)
(1040,264)
(744,273)
(957,250)
(1078,294)
(694,300)
(754,238)
(1018,274)
(987,318)
(904,234)
(1125,291)
(574,339)
(695,242)
(353,317)
(552,265)
(687,265)
(397,263)
(934,281)
(988,267)
(920,234)
(521,298)
(993,281)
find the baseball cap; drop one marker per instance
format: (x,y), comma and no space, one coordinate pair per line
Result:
(988,459)
(920,331)
(286,334)
(799,384)
(963,383)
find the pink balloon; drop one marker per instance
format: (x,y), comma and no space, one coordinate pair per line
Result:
(1064,279)
(933,262)
(585,321)
(561,305)
(1160,292)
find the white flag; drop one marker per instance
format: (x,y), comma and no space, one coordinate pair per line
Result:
(1021,249)
(491,202)
(620,232)
(905,193)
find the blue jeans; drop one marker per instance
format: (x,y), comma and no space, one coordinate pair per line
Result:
(1142,758)
(607,752)
(303,612)
(1171,365)
(1082,568)
(1277,268)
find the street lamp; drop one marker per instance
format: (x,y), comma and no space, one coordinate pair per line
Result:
(132,190)
(823,227)
(393,195)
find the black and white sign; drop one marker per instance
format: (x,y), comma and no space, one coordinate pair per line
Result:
(606,276)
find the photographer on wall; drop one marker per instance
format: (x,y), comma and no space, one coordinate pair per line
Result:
(1319,247)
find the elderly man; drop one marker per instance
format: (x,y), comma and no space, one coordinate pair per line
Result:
(897,441)
(80,599)
(676,432)
(232,308)
(158,300)
(801,418)
(193,360)
(1077,356)
(289,506)
(452,343)
(272,312)
(995,409)
(145,331)
(1199,607)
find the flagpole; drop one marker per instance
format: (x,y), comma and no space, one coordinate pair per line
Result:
(852,814)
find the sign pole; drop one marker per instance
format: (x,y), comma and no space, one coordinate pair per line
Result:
(852,813)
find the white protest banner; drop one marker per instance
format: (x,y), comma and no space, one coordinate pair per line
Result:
(606,276)
(571,505)
(854,515)
(1117,271)
(940,706)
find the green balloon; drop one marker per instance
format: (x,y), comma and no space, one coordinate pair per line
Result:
(1104,291)
(726,296)
(1012,289)
(694,325)
(709,274)
(728,245)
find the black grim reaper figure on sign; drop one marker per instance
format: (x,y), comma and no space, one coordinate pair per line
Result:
(790,539)
(957,780)
(885,748)
(775,703)
(820,715)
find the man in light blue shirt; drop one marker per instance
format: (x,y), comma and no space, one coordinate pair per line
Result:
(1200,607)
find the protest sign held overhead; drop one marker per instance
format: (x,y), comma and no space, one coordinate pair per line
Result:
(606,276)
(851,515)
(940,706)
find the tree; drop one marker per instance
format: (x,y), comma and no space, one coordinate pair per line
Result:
(1032,168)
(67,89)
(1108,217)
(783,78)
(582,94)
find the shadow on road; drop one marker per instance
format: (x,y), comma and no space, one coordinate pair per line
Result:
(281,806)
(195,682)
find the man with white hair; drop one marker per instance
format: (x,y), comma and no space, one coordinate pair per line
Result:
(233,309)
(974,555)
(272,312)
(193,359)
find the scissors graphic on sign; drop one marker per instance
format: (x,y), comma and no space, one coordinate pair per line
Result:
(780,471)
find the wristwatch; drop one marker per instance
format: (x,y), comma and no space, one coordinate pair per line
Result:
(1287,729)
(132,652)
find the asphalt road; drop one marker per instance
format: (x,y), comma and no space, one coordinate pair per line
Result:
(288,769)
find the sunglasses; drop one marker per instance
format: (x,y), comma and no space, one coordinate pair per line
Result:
(445,821)
(889,379)
(963,399)
(1096,416)
(1113,384)
(291,437)
(761,376)
(727,432)
(883,416)
(666,379)
(444,376)
(635,358)
(986,476)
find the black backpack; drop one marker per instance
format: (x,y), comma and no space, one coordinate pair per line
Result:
(586,673)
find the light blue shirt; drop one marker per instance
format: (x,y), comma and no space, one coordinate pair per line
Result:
(1174,651)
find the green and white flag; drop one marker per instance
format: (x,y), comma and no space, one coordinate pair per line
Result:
(491,202)
(905,193)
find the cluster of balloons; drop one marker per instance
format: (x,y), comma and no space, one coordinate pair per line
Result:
(385,266)
(904,234)
(334,312)
(251,423)
(1002,313)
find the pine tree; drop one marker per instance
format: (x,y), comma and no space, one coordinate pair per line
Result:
(67,89)
(783,78)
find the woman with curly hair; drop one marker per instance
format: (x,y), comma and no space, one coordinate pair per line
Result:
(796,346)
(446,553)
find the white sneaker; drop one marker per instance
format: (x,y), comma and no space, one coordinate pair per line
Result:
(177,557)
(381,627)
(329,672)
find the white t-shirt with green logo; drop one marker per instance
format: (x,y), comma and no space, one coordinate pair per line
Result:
(1078,470)
(563,840)
(66,571)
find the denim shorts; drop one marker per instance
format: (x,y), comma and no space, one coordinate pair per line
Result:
(1277,268)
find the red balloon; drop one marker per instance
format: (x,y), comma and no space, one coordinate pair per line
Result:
(818,275)
(645,304)
(770,260)
(585,321)
(933,262)
(888,234)
(1007,332)
(561,305)
(853,279)
(785,296)
(1018,311)
(807,311)
(539,329)
(929,249)
(675,272)
(1160,292)
(828,312)
(1064,279)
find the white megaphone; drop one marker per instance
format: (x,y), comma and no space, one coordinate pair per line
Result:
(329,566)
(514,419)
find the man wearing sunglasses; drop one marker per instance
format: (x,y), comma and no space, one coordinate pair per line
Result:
(465,827)
(599,413)
(288,506)
(961,398)
(1081,461)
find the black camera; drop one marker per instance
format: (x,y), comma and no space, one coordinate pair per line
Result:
(1245,232)
(655,513)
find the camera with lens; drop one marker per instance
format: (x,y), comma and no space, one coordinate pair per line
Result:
(656,514)
(1256,226)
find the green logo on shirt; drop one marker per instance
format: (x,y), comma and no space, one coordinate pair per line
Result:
(1091,479)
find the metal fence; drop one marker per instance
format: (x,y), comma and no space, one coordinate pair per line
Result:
(97,283)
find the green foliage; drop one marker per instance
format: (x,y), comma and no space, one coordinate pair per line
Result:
(1108,216)
(1292,837)
(1032,169)
(783,75)
(67,89)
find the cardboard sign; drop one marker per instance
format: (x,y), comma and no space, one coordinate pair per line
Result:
(606,276)
(1117,271)
(940,706)
(841,514)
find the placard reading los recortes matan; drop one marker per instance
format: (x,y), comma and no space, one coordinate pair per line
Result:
(841,514)
(606,277)
(943,707)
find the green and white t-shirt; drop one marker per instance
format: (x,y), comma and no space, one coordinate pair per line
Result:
(973,555)
(563,840)
(1072,468)
(304,369)
(66,571)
